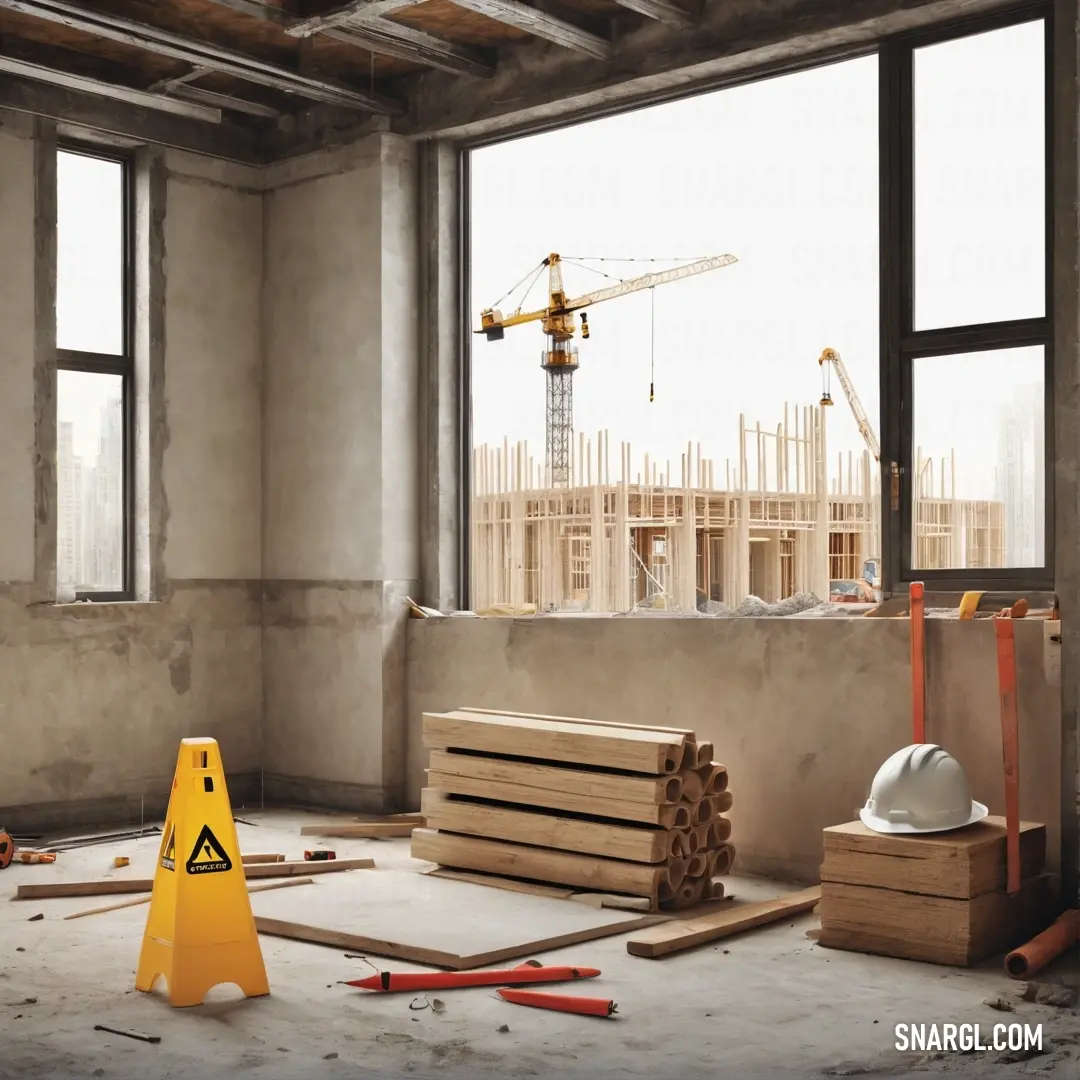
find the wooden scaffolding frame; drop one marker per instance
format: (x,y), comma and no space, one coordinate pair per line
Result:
(615,541)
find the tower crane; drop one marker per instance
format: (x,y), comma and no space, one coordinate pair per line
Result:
(559,359)
(831,356)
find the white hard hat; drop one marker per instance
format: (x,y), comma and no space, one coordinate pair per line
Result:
(920,789)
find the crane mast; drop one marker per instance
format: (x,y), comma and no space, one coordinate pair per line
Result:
(560,359)
(831,356)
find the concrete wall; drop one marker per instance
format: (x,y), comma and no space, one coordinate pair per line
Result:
(95,698)
(340,522)
(803,712)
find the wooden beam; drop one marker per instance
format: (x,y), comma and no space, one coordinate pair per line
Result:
(686,934)
(200,54)
(405,43)
(353,11)
(142,98)
(224,101)
(665,11)
(228,140)
(542,25)
(362,25)
(257,9)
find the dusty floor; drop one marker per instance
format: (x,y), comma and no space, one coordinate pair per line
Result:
(767,1004)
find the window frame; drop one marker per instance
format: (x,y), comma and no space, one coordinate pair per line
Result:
(902,345)
(122,364)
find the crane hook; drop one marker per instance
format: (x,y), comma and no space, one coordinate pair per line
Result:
(584,326)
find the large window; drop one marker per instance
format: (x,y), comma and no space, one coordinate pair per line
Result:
(968,329)
(94,376)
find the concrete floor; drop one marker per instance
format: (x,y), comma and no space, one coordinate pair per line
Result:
(767,1004)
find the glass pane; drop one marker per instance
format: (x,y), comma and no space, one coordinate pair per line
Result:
(90,254)
(979,449)
(980,196)
(90,483)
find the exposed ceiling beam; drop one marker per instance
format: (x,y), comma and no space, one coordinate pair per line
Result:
(200,54)
(77,109)
(354,10)
(361,24)
(665,11)
(405,43)
(224,101)
(86,85)
(542,25)
(257,9)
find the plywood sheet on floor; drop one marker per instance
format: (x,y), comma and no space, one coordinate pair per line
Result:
(428,920)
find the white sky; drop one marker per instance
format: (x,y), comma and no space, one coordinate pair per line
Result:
(783,174)
(89,288)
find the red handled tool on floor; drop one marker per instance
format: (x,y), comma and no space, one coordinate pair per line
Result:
(388,982)
(567,1003)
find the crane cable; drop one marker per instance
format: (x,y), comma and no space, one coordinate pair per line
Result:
(652,344)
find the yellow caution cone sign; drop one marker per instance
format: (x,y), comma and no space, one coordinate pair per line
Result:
(200,931)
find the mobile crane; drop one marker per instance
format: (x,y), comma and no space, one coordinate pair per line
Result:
(871,566)
(560,358)
(831,356)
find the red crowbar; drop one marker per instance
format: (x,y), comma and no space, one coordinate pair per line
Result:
(918,662)
(567,1003)
(388,982)
(1010,743)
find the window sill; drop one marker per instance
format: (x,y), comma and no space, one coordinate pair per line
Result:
(66,606)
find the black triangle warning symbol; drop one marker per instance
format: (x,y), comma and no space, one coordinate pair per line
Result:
(208,856)
(168,858)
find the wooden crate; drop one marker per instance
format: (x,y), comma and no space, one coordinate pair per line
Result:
(935,929)
(936,897)
(964,863)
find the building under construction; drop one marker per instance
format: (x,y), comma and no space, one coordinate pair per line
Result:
(774,522)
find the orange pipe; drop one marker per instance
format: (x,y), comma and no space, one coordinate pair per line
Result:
(918,662)
(1010,747)
(1059,937)
(567,1003)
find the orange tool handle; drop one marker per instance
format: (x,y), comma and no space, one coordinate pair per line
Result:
(567,1003)
(387,982)
(918,663)
(1010,746)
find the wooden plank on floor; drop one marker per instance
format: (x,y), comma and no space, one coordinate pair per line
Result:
(494,881)
(423,919)
(360,830)
(683,934)
(526,826)
(629,749)
(538,864)
(112,886)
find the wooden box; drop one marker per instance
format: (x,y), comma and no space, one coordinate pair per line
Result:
(962,864)
(938,897)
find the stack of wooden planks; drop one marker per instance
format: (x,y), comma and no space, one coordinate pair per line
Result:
(612,808)
(935,897)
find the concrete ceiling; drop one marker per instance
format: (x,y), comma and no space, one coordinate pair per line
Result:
(259,80)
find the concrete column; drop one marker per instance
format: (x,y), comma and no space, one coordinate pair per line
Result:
(341,522)
(1066,477)
(441,416)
